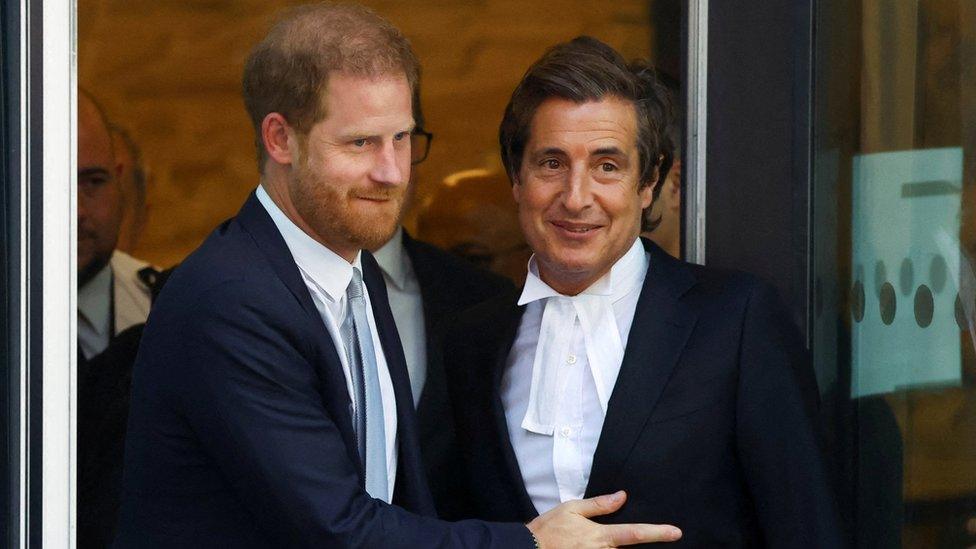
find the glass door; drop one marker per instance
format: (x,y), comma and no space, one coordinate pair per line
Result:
(893,247)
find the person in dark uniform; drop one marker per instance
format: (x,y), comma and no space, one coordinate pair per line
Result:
(115,291)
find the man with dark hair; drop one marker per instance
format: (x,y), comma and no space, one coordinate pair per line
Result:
(620,367)
(271,403)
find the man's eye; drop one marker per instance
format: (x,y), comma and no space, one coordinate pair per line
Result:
(608,167)
(360,142)
(551,163)
(401,136)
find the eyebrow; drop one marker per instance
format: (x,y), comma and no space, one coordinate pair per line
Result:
(91,172)
(366,135)
(607,151)
(549,150)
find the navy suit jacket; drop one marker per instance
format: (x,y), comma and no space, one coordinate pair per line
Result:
(710,426)
(240,432)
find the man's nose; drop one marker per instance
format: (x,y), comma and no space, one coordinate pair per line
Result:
(390,167)
(577,195)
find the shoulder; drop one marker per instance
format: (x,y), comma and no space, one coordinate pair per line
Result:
(720,283)
(454,274)
(226,271)
(127,272)
(744,303)
(719,296)
(703,285)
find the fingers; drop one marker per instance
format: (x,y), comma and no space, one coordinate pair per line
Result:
(618,535)
(599,505)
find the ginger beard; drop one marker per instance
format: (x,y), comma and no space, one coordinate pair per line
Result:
(363,216)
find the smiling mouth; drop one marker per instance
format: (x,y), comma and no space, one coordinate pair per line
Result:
(575,228)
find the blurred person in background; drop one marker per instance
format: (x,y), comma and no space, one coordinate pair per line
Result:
(134,180)
(661,222)
(115,291)
(427,287)
(472,215)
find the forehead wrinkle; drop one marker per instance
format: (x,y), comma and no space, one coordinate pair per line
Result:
(598,145)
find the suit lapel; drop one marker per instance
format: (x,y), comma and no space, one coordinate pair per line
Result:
(509,323)
(411,482)
(258,223)
(661,326)
(388,335)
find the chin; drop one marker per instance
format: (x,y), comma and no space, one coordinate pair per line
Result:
(373,236)
(568,265)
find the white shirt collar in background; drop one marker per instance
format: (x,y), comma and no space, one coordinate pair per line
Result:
(120,278)
(393,260)
(94,309)
(406,302)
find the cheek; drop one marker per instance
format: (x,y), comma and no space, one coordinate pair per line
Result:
(334,175)
(536,199)
(105,205)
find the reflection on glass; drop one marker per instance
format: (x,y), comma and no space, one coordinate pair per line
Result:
(894,236)
(905,210)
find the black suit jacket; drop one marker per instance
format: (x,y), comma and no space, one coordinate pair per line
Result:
(448,285)
(240,432)
(710,425)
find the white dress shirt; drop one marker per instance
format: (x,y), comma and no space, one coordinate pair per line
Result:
(327,275)
(120,277)
(407,305)
(561,372)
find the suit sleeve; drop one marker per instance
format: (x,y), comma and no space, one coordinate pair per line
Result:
(777,432)
(253,399)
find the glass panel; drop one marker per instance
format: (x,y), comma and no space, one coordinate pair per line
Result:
(894,245)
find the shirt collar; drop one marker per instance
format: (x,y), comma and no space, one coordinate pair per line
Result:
(392,259)
(327,269)
(94,300)
(626,275)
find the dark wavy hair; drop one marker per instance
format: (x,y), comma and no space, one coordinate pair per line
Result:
(582,70)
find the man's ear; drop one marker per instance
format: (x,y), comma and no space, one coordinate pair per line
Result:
(277,134)
(646,192)
(672,186)
(516,188)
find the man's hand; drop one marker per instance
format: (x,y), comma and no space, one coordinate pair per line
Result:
(568,526)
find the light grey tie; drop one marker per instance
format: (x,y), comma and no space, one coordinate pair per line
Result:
(368,418)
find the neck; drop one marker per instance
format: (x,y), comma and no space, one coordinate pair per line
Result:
(277,189)
(567,285)
(573,283)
